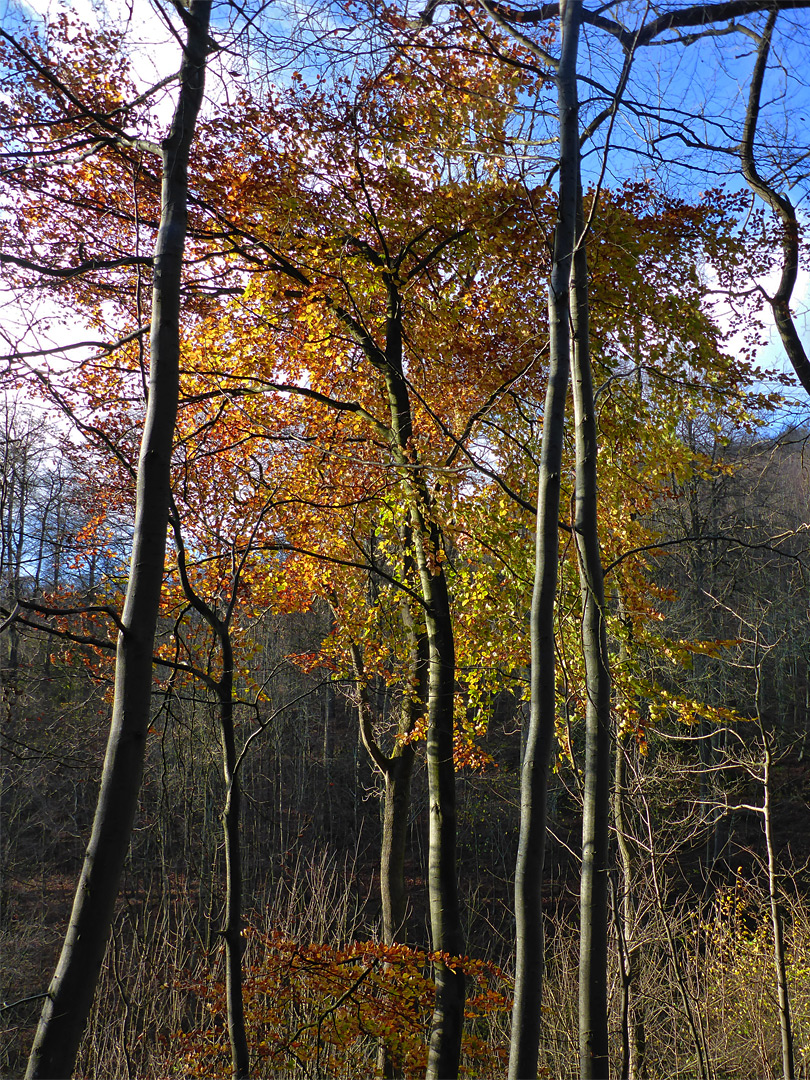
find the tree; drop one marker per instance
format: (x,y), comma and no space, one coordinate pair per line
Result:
(323,385)
(534,779)
(355,306)
(570,272)
(371,362)
(71,992)
(781,205)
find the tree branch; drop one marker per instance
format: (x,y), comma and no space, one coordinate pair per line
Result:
(783,208)
(74,271)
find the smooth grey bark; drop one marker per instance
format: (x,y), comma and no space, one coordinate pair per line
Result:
(447,938)
(633,1034)
(397,771)
(445,911)
(779,959)
(71,991)
(223,689)
(593,947)
(781,205)
(526,1015)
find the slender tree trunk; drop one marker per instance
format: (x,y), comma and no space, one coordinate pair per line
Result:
(396,771)
(633,1028)
(231,824)
(71,992)
(780,965)
(593,1020)
(444,1049)
(782,206)
(623,935)
(397,799)
(687,1000)
(396,810)
(398,776)
(445,916)
(779,962)
(231,931)
(633,1065)
(525,1039)
(445,911)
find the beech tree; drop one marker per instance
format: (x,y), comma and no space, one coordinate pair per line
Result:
(327,369)
(377,315)
(397,262)
(570,278)
(71,992)
(355,306)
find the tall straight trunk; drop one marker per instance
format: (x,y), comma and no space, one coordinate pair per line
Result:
(593,955)
(634,1041)
(445,911)
(779,958)
(71,992)
(396,811)
(231,827)
(394,896)
(398,785)
(397,771)
(525,1041)
(444,1050)
(633,1035)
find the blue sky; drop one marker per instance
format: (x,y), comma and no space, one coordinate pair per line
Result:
(679,93)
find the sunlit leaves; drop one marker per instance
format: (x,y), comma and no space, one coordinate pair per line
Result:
(325,1009)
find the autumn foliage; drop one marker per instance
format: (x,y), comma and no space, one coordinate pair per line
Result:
(364,363)
(323,1010)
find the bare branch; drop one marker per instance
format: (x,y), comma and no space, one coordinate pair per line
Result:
(783,208)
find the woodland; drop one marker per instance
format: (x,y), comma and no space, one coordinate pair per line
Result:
(404,554)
